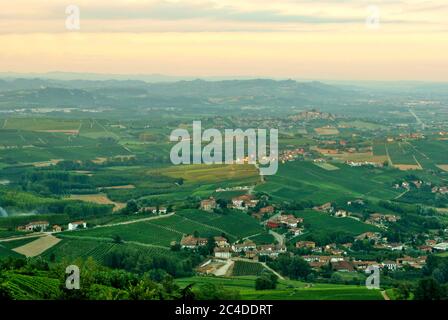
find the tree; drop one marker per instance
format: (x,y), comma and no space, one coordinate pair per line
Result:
(131,206)
(266,281)
(428,289)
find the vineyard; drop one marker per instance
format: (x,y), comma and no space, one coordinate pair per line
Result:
(69,249)
(25,287)
(244,268)
(235,224)
(5,252)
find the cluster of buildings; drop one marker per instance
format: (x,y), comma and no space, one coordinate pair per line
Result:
(380,220)
(291,155)
(43,226)
(154,210)
(287,221)
(243,202)
(224,250)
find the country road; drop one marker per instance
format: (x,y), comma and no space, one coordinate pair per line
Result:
(135,221)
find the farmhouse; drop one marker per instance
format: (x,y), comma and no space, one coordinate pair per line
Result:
(190,242)
(163,210)
(271,250)
(36,225)
(341,214)
(289,220)
(342,266)
(56,228)
(244,201)
(418,262)
(148,210)
(296,231)
(208,204)
(245,246)
(221,242)
(77,224)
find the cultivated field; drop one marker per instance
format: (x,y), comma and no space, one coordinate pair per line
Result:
(287,289)
(38,246)
(98,198)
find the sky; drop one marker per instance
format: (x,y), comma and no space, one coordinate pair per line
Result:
(306,39)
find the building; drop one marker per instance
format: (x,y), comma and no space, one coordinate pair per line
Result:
(223,253)
(56,228)
(36,226)
(342,266)
(326,207)
(245,246)
(244,201)
(441,246)
(163,210)
(296,231)
(190,242)
(369,236)
(208,204)
(77,225)
(341,214)
(390,265)
(267,210)
(221,242)
(149,210)
(272,224)
(305,244)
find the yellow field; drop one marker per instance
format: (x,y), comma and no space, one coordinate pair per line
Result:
(360,157)
(36,247)
(211,173)
(326,166)
(326,131)
(99,198)
(406,167)
(444,167)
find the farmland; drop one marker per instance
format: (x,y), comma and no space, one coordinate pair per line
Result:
(287,289)
(162,232)
(244,268)
(306,181)
(323,222)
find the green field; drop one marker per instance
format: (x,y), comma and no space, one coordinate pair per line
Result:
(322,222)
(24,287)
(305,181)
(244,268)
(162,232)
(287,289)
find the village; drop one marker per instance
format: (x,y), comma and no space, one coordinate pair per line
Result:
(286,229)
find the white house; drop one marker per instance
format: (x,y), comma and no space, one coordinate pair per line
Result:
(77,224)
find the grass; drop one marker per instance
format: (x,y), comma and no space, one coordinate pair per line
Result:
(300,181)
(323,222)
(24,287)
(17,243)
(287,289)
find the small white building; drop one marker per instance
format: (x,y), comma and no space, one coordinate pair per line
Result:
(223,253)
(77,225)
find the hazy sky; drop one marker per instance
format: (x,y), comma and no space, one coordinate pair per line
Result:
(331,39)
